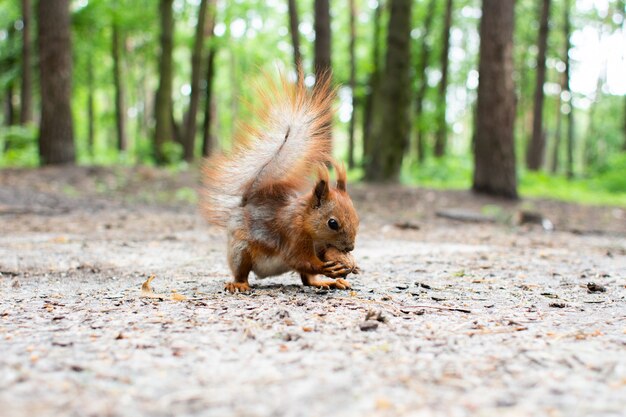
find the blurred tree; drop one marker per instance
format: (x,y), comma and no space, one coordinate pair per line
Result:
(494,148)
(56,132)
(536,146)
(391,124)
(322,38)
(373,83)
(422,80)
(352,84)
(294,24)
(91,128)
(624,116)
(120,102)
(569,169)
(208,141)
(10,117)
(442,125)
(26,102)
(164,131)
(189,132)
(554,165)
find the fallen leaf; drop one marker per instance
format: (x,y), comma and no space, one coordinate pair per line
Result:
(178,297)
(145,287)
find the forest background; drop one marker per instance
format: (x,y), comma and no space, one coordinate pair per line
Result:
(164,82)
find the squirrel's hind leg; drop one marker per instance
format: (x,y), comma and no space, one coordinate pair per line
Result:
(315,281)
(240,263)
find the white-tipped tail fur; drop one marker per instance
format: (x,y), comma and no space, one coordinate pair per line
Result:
(289,142)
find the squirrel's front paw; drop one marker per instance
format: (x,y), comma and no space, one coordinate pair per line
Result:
(234,287)
(336,269)
(339,283)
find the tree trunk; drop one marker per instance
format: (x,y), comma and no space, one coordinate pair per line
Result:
(624,116)
(10,117)
(10,114)
(372,85)
(420,145)
(164,131)
(554,165)
(322,38)
(56,132)
(120,106)
(569,170)
(26,111)
(352,84)
(536,146)
(294,24)
(189,132)
(391,125)
(494,147)
(90,109)
(442,126)
(208,142)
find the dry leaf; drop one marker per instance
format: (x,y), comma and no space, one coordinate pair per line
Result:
(146,291)
(145,287)
(178,297)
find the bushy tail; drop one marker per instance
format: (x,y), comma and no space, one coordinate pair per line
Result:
(291,139)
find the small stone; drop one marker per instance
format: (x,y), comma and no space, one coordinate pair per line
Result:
(558,305)
(593,287)
(368,326)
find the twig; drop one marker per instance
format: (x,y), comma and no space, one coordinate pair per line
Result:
(461,310)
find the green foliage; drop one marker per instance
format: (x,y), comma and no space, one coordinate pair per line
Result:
(20,146)
(450,172)
(253,37)
(578,190)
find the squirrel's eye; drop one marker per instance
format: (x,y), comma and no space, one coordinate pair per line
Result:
(332,223)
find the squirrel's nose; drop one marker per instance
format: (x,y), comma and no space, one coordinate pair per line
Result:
(350,248)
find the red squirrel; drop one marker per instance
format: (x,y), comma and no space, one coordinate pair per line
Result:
(276,220)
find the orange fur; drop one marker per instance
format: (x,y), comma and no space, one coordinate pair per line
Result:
(227,176)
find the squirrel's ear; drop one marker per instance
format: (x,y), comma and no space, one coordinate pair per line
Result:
(321,190)
(340,173)
(320,193)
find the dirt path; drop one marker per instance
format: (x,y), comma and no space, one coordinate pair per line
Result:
(473,318)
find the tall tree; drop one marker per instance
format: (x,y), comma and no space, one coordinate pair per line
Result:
(536,146)
(494,148)
(91,129)
(391,125)
(322,38)
(352,84)
(569,169)
(422,65)
(189,131)
(624,116)
(26,102)
(554,165)
(442,126)
(9,62)
(164,131)
(120,105)
(294,24)
(208,141)
(56,132)
(372,84)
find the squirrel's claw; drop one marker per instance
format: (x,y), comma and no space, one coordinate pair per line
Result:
(233,287)
(334,269)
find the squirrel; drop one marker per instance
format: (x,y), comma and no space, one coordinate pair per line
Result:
(276,220)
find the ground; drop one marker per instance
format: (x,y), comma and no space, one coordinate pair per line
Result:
(493,317)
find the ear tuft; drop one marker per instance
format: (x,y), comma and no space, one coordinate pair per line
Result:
(321,190)
(340,173)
